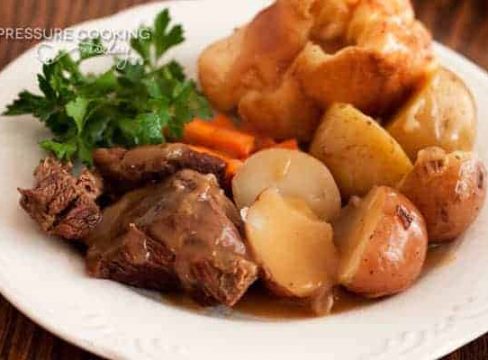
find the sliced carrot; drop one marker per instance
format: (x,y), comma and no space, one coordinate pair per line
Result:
(231,142)
(233,165)
(288,144)
(262,140)
(224,122)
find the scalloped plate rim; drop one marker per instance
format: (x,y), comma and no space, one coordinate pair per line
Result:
(106,350)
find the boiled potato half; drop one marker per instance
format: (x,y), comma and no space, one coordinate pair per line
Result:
(448,189)
(359,152)
(295,174)
(294,249)
(382,241)
(442,113)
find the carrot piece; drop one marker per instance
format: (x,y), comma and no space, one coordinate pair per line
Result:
(233,165)
(288,144)
(231,142)
(224,122)
(261,141)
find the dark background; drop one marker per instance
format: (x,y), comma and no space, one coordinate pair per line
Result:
(460,24)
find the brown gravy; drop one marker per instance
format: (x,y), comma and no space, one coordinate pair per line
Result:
(258,302)
(440,255)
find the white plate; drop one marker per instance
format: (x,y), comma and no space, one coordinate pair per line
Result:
(45,278)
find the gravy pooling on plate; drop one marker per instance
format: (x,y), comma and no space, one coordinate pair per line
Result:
(258,303)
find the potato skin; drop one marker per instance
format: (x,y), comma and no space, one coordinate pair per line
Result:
(448,189)
(359,152)
(442,113)
(394,247)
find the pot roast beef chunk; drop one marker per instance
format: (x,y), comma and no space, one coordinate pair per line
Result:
(130,169)
(180,233)
(91,183)
(62,204)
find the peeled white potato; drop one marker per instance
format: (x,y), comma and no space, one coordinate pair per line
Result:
(295,174)
(295,250)
(442,113)
(358,151)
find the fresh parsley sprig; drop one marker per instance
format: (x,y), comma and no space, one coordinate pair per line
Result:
(139,103)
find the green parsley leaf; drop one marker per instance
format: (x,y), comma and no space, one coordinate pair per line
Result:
(142,44)
(150,129)
(164,38)
(84,152)
(62,150)
(77,109)
(99,85)
(91,48)
(26,103)
(133,103)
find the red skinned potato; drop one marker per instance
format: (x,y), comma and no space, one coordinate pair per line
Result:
(382,241)
(448,189)
(293,248)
